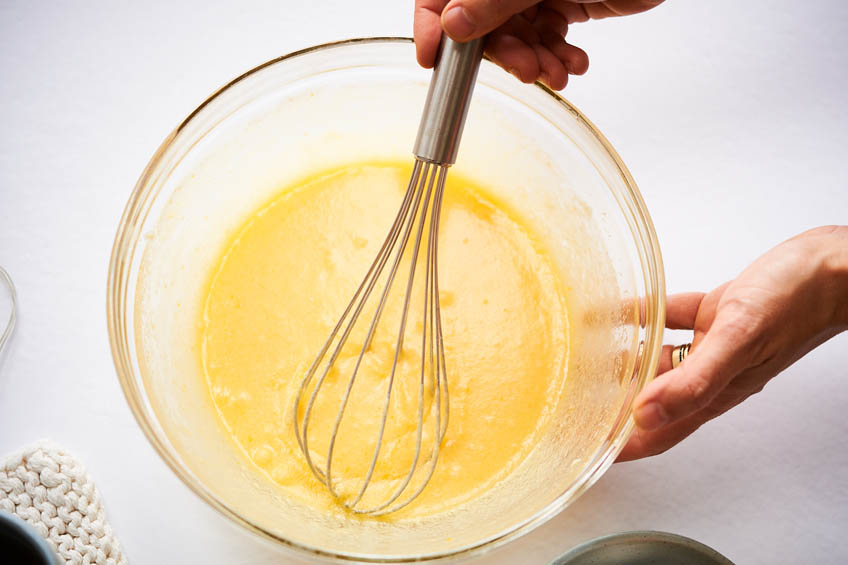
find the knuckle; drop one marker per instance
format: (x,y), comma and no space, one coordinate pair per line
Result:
(746,324)
(742,309)
(743,319)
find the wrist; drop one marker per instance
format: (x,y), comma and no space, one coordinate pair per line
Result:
(834,262)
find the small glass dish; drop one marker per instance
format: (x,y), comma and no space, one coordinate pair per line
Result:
(360,100)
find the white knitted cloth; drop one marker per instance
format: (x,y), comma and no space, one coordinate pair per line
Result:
(51,491)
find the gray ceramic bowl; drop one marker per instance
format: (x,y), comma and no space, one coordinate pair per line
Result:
(21,543)
(642,548)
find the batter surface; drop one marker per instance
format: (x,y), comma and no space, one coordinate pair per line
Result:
(280,285)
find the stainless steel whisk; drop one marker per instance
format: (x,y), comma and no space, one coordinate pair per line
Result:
(435,150)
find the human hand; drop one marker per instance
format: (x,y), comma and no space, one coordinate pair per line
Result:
(526,37)
(748,330)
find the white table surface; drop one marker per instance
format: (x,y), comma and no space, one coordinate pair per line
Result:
(730,114)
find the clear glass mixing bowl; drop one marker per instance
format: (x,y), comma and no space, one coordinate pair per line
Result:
(361,100)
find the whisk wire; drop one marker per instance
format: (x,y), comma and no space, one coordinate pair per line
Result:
(436,354)
(372,328)
(435,149)
(368,284)
(419,428)
(440,344)
(420,208)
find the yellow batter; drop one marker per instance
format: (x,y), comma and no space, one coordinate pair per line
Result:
(287,275)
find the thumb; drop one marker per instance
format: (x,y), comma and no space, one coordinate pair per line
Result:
(725,351)
(464,20)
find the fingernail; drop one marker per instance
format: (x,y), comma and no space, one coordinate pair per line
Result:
(651,416)
(457,23)
(514,72)
(544,78)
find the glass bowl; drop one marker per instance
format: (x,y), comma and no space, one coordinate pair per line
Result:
(361,100)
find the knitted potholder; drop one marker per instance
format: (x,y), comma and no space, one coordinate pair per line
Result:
(50,490)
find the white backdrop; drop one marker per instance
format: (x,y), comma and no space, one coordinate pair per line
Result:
(731,115)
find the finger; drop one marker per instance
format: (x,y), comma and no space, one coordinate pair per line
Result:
(520,27)
(681,310)
(725,351)
(665,359)
(427,30)
(598,10)
(513,55)
(643,443)
(530,13)
(466,19)
(550,20)
(707,313)
(572,12)
(551,70)
(576,60)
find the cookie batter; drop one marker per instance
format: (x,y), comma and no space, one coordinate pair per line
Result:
(288,273)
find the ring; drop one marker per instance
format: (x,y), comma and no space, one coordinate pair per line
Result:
(679,353)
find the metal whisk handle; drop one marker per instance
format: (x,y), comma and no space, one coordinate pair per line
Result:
(447,100)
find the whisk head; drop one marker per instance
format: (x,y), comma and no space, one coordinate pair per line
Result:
(412,389)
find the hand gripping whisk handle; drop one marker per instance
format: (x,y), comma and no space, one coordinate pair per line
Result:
(447,100)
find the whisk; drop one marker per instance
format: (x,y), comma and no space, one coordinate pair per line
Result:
(435,150)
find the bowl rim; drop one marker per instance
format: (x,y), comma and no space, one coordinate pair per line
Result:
(636,538)
(16,526)
(647,358)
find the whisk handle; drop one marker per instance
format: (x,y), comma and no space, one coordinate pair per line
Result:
(447,100)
